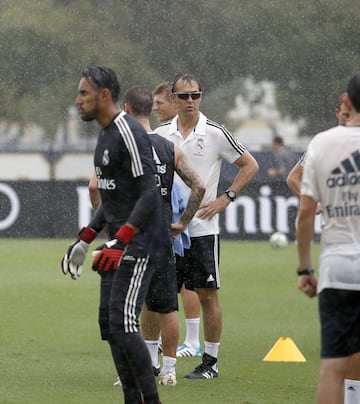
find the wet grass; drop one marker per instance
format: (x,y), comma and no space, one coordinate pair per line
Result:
(51,351)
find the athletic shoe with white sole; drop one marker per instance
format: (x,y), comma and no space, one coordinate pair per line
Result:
(169,379)
(206,370)
(185,351)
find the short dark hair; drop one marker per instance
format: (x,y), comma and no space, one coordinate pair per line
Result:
(140,100)
(353,90)
(188,78)
(103,77)
(278,140)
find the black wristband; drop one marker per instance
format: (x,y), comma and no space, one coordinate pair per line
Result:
(309,271)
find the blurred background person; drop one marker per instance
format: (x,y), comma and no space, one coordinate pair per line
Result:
(284,159)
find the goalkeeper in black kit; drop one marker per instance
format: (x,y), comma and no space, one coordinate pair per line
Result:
(132,211)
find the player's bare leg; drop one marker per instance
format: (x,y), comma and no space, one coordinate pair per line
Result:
(191,306)
(331,383)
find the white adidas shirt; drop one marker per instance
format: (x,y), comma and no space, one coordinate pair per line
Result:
(332,176)
(205,149)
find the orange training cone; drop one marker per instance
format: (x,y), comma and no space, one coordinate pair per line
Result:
(284,350)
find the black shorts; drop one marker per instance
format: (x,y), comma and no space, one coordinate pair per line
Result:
(340,322)
(199,267)
(162,293)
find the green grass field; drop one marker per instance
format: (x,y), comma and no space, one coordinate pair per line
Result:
(51,351)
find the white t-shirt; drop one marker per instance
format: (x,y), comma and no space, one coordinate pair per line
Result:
(205,148)
(332,176)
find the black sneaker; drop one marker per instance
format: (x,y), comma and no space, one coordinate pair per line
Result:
(206,370)
(156,371)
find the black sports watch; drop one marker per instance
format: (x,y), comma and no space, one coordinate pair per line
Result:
(307,271)
(231,194)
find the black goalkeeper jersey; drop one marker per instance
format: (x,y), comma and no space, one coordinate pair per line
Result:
(164,157)
(125,171)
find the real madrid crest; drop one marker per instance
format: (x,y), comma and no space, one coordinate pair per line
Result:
(106,158)
(199,146)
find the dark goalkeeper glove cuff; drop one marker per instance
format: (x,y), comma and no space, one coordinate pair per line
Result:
(125,234)
(87,234)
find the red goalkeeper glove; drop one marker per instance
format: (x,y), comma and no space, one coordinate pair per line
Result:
(75,255)
(108,256)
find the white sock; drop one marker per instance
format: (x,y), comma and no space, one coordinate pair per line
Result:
(153,350)
(169,364)
(212,348)
(192,332)
(352,391)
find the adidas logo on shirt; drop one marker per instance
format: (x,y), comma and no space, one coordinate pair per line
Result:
(348,173)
